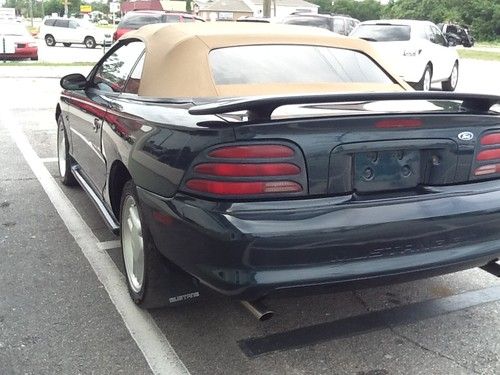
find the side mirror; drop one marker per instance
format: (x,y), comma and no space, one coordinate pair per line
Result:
(75,81)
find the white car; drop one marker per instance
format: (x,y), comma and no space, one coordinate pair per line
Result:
(73,31)
(417,51)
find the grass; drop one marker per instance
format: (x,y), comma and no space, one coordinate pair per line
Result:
(107,26)
(46,64)
(494,44)
(479,55)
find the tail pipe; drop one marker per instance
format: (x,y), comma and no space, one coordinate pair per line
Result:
(258,309)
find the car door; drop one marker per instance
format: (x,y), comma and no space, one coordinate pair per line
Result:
(60,30)
(87,109)
(73,32)
(442,58)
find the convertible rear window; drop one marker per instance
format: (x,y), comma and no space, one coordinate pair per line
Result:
(274,64)
(382,33)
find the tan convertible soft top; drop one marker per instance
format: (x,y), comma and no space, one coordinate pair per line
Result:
(177,65)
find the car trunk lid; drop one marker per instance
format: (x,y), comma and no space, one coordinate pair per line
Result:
(378,146)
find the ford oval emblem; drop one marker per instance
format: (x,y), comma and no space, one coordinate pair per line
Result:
(465,136)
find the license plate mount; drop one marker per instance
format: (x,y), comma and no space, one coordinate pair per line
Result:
(386,170)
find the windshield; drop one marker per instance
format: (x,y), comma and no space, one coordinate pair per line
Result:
(13,29)
(292,64)
(382,33)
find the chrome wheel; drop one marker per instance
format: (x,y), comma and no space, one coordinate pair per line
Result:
(61,151)
(427,80)
(89,42)
(49,40)
(454,76)
(132,244)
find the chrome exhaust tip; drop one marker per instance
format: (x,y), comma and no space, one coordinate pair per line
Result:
(258,309)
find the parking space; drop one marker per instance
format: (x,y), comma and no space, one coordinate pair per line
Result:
(56,315)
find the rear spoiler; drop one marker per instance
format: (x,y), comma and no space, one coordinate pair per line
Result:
(261,107)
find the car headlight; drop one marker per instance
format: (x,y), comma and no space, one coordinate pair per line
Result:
(412,52)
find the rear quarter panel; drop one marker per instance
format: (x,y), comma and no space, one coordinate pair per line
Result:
(156,142)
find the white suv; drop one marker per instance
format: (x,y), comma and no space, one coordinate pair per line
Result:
(418,51)
(68,31)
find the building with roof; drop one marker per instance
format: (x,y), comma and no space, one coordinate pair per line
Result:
(223,9)
(283,8)
(234,9)
(227,10)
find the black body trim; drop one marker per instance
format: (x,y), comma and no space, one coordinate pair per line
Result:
(107,215)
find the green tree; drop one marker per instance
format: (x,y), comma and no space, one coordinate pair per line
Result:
(482,15)
(74,7)
(325,6)
(362,10)
(53,6)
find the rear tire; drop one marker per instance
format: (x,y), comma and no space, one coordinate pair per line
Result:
(151,279)
(89,42)
(67,44)
(451,83)
(49,40)
(64,160)
(425,82)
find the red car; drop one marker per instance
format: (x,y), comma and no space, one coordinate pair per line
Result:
(19,43)
(136,19)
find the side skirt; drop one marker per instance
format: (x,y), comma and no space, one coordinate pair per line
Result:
(108,216)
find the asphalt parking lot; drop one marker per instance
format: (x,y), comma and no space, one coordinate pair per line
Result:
(74,53)
(64,308)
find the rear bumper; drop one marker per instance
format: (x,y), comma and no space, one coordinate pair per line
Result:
(21,53)
(248,250)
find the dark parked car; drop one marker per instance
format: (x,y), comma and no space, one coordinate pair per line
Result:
(136,19)
(457,34)
(255,158)
(336,23)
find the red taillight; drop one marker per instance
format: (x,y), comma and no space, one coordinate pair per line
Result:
(252,152)
(489,154)
(491,139)
(247,170)
(115,36)
(398,123)
(243,188)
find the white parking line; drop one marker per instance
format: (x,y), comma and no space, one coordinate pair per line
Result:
(48,160)
(107,245)
(155,347)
